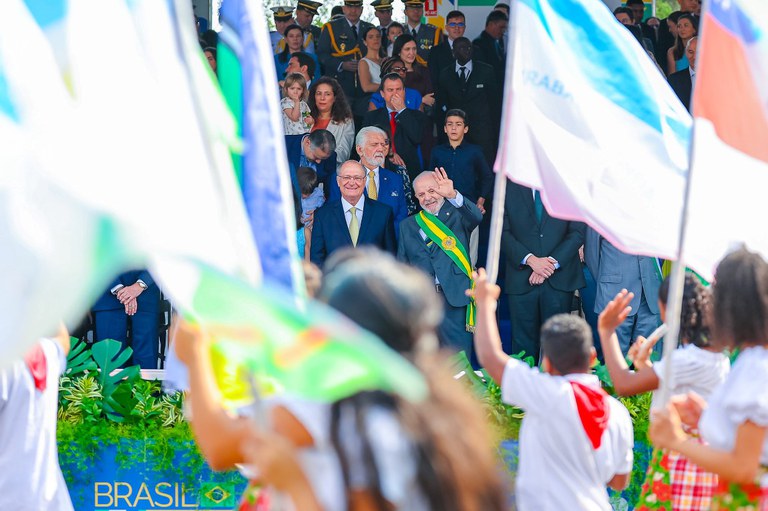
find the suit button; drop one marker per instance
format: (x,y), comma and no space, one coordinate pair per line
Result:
(541,235)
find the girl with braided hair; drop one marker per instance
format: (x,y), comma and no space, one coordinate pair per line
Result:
(697,367)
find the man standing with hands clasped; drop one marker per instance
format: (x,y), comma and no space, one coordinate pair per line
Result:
(435,241)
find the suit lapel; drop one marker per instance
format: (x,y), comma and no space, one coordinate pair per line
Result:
(526,196)
(341,221)
(367,219)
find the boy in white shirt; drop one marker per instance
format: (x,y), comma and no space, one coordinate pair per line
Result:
(575,439)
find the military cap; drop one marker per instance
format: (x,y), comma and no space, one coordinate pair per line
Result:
(353,3)
(309,6)
(282,12)
(382,5)
(414,3)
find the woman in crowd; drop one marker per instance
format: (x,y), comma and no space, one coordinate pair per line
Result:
(687,27)
(331,111)
(210,55)
(294,39)
(734,420)
(416,73)
(369,68)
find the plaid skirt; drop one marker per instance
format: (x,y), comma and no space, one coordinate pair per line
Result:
(673,483)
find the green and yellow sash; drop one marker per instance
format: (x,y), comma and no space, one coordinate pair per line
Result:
(439,233)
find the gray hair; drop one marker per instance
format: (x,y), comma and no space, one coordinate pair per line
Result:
(362,136)
(694,38)
(347,163)
(421,176)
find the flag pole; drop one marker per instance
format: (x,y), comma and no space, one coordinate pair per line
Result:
(677,275)
(500,182)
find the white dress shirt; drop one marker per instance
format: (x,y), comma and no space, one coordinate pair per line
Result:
(467,66)
(375,177)
(346,206)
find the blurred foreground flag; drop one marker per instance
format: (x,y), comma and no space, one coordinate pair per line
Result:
(727,201)
(248,80)
(591,122)
(315,353)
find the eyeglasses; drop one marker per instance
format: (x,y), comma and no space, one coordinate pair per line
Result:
(453,24)
(399,69)
(356,179)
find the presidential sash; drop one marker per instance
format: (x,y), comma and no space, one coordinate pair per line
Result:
(440,234)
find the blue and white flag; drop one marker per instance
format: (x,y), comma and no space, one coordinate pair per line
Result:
(591,122)
(248,78)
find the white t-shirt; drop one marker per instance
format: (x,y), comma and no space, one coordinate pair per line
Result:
(558,467)
(694,369)
(742,397)
(30,476)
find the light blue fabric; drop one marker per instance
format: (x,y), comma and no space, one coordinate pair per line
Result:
(681,64)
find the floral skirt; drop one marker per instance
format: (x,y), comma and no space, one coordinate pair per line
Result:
(255,498)
(673,483)
(741,497)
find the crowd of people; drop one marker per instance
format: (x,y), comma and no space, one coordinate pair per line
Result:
(390,134)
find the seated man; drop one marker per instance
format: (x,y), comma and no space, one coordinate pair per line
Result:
(316,150)
(134,297)
(351,220)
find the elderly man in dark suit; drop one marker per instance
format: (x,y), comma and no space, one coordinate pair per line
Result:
(441,250)
(341,47)
(316,150)
(489,46)
(381,184)
(682,81)
(543,268)
(353,219)
(404,126)
(471,86)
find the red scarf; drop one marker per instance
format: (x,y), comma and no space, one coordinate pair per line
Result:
(38,366)
(594,411)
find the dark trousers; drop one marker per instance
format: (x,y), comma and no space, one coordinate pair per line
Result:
(530,310)
(453,331)
(643,322)
(113,324)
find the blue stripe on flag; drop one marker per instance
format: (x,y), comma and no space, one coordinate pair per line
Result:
(601,48)
(735,20)
(47,12)
(265,177)
(7,107)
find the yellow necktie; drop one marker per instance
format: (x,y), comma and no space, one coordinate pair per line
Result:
(354,226)
(372,192)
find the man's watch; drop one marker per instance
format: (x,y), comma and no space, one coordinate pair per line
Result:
(142,284)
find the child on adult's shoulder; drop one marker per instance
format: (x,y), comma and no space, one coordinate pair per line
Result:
(696,367)
(575,439)
(296,114)
(312,197)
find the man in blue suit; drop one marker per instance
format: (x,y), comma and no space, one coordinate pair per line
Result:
(381,184)
(351,220)
(133,295)
(614,270)
(437,196)
(316,150)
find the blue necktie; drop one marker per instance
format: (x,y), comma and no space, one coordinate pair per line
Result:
(538,207)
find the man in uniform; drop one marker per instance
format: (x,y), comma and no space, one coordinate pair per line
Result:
(283,16)
(383,11)
(340,48)
(306,10)
(426,34)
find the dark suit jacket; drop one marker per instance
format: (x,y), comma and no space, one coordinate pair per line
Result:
(391,192)
(484,50)
(325,168)
(148,300)
(480,98)
(681,84)
(523,235)
(428,257)
(330,231)
(343,35)
(410,125)
(440,57)
(467,167)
